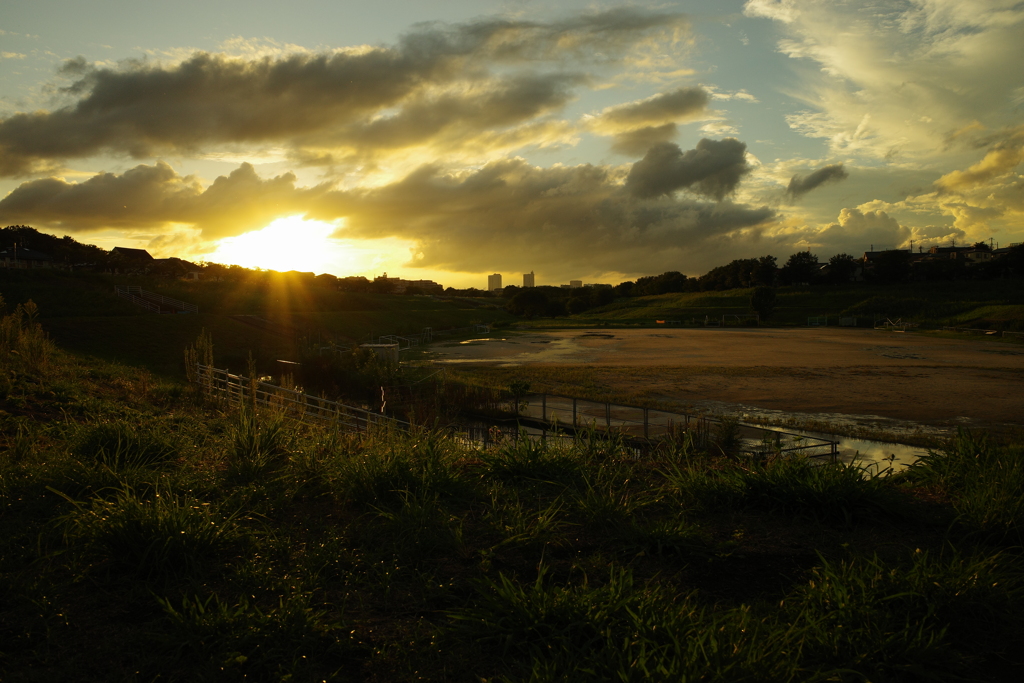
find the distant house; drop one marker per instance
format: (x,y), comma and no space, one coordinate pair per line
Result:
(128,254)
(174,267)
(16,257)
(129,260)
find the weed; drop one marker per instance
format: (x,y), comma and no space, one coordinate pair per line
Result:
(528,460)
(258,442)
(122,444)
(166,535)
(986,482)
(922,620)
(214,640)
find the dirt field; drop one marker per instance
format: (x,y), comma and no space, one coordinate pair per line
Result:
(913,377)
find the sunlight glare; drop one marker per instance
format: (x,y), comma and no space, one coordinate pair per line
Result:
(286,244)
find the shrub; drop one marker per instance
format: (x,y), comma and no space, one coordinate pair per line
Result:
(258,441)
(214,640)
(121,444)
(166,535)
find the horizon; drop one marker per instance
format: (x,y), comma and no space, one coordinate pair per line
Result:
(598,142)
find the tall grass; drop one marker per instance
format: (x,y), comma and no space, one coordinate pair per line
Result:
(259,441)
(836,493)
(985,481)
(215,640)
(864,619)
(123,444)
(165,535)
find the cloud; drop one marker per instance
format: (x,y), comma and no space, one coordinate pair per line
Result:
(996,163)
(859,231)
(510,215)
(637,126)
(479,76)
(713,169)
(635,142)
(151,197)
(801,185)
(890,81)
(671,107)
(506,215)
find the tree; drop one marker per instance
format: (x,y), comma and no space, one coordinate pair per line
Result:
(764,272)
(625,288)
(842,268)
(762,301)
(892,266)
(802,267)
(531,302)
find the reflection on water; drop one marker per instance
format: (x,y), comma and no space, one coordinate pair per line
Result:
(866,452)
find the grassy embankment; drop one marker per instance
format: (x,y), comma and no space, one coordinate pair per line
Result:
(83,314)
(995,304)
(145,535)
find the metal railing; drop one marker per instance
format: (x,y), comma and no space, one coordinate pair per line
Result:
(132,295)
(306,408)
(153,301)
(650,424)
(556,416)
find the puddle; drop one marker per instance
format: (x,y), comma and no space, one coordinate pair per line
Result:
(868,453)
(480,341)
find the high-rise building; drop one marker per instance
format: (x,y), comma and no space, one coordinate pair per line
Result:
(494,282)
(528,279)
(575,284)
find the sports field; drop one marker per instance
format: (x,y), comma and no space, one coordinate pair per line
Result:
(926,379)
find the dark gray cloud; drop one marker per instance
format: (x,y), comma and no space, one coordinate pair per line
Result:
(801,185)
(713,169)
(505,215)
(563,218)
(638,126)
(479,75)
(154,197)
(633,143)
(678,105)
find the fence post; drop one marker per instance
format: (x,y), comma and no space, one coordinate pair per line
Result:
(646,423)
(574,413)
(544,407)
(608,416)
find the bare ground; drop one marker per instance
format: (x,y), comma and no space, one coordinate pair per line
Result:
(819,370)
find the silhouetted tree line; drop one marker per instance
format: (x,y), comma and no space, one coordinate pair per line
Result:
(64,250)
(763,274)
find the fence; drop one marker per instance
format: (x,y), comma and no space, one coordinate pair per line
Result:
(153,301)
(306,408)
(132,294)
(556,416)
(975,330)
(651,425)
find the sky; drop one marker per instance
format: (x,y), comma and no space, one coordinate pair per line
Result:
(449,139)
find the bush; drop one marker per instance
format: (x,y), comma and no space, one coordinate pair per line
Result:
(121,444)
(166,535)
(213,640)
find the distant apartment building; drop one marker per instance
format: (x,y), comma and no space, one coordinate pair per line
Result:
(528,280)
(575,284)
(493,282)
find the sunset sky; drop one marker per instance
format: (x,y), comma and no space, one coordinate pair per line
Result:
(448,139)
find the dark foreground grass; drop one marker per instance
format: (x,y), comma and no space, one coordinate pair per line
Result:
(146,536)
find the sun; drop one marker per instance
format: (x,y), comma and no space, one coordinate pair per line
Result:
(289,243)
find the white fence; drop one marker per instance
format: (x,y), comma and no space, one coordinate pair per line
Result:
(236,390)
(153,301)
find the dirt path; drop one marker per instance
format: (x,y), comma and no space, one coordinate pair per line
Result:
(820,370)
